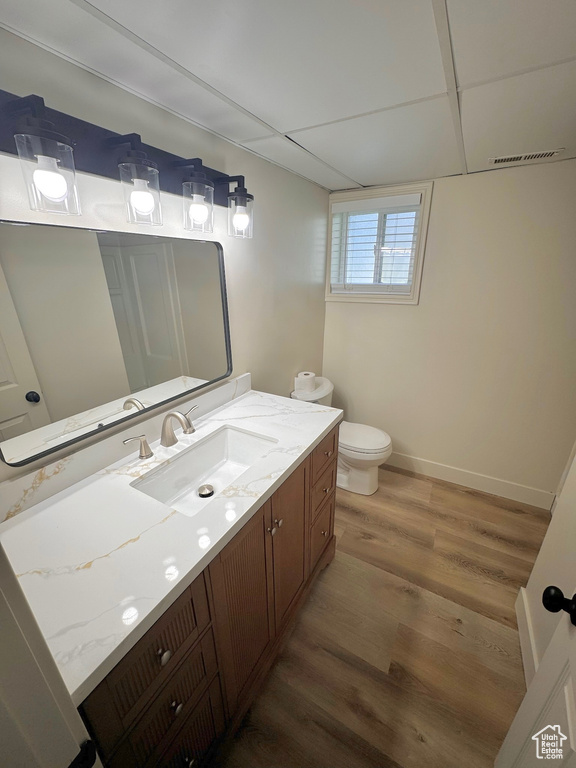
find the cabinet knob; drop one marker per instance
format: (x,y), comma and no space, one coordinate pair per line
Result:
(326,490)
(279,522)
(272,531)
(189,762)
(176,708)
(324,533)
(328,453)
(164,656)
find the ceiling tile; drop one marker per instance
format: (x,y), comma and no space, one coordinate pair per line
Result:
(299,63)
(494,38)
(529,113)
(398,145)
(73,33)
(300,161)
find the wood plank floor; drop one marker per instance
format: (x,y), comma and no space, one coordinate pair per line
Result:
(406,654)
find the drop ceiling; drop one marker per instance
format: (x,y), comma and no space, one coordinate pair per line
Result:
(346,93)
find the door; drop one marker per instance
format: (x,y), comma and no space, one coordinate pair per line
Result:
(154,299)
(555,564)
(124,317)
(243,603)
(548,648)
(545,726)
(288,543)
(39,725)
(17,374)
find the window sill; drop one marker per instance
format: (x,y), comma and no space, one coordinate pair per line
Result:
(372,298)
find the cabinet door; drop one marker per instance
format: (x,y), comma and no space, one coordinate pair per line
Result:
(203,726)
(243,603)
(288,542)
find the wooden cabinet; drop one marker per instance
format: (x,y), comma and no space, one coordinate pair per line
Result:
(242,589)
(198,733)
(288,520)
(321,531)
(117,703)
(323,497)
(198,668)
(255,581)
(324,453)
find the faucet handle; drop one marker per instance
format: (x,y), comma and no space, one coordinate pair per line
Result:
(189,430)
(145,450)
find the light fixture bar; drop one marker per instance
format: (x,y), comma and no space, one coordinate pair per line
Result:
(92,151)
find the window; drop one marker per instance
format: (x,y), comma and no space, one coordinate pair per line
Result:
(377,244)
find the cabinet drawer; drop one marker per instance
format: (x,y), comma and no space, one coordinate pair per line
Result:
(114,705)
(203,726)
(323,488)
(175,701)
(321,531)
(323,454)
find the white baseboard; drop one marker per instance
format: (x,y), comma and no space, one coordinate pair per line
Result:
(527,645)
(494,485)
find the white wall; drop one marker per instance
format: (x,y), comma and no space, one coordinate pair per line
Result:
(275,281)
(481,375)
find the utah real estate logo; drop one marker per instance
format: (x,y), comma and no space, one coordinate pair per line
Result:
(549,743)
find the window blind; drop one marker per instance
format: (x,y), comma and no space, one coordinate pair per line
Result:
(374,243)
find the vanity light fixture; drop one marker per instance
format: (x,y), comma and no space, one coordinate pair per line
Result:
(48,163)
(197,197)
(46,159)
(140,181)
(240,202)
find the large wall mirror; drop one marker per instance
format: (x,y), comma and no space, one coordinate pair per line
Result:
(95,325)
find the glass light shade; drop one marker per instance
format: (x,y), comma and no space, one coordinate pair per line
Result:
(49,174)
(240,217)
(141,187)
(198,206)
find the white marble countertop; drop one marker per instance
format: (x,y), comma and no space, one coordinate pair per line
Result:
(100,561)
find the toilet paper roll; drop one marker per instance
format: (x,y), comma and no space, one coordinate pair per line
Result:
(305,381)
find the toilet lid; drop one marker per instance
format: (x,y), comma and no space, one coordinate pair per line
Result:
(362,438)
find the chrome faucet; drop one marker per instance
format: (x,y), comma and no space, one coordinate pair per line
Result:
(131,401)
(168,437)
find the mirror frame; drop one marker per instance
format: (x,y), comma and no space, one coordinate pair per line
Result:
(151,408)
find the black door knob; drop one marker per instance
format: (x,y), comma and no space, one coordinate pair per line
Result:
(32,397)
(554,601)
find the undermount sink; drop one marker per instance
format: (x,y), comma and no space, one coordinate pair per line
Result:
(216,460)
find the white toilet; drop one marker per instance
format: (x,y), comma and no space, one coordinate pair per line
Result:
(361,449)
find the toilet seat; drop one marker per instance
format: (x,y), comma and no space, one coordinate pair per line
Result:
(361,438)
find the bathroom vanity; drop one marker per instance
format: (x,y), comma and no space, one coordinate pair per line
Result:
(164,617)
(201,664)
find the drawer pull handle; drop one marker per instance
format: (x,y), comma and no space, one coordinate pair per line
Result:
(272,531)
(328,453)
(164,656)
(279,522)
(326,490)
(324,533)
(176,708)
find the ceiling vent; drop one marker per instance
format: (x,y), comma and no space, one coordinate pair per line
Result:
(529,157)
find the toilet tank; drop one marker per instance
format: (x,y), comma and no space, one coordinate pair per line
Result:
(322,394)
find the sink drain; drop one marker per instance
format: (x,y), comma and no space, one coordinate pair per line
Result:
(205,491)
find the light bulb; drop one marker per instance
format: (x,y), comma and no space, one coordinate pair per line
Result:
(49,181)
(198,209)
(141,199)
(241,219)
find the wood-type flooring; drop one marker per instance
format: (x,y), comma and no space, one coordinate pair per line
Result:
(406,654)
